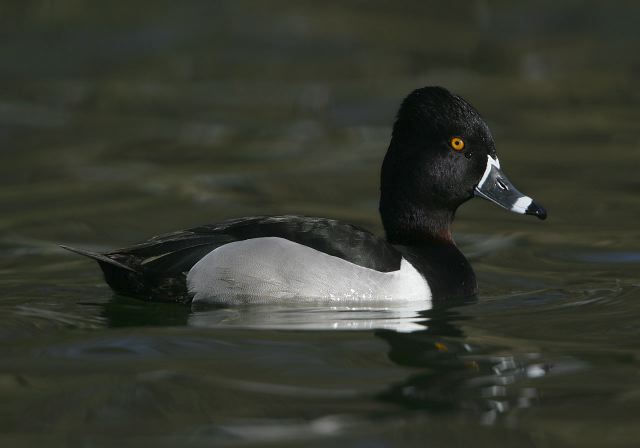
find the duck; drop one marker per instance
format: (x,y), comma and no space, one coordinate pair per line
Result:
(441,155)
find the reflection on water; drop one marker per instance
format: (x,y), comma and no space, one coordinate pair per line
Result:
(484,381)
(442,373)
(405,317)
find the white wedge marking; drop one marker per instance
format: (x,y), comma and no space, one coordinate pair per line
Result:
(490,163)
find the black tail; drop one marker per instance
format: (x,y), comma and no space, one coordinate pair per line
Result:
(99,258)
(136,281)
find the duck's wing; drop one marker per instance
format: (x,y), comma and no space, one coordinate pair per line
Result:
(156,269)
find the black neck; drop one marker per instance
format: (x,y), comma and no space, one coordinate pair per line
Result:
(408,224)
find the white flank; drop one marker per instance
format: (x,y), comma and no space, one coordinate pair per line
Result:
(273,270)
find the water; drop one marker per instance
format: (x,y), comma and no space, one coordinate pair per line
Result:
(121,121)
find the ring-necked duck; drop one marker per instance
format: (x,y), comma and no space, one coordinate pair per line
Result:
(441,155)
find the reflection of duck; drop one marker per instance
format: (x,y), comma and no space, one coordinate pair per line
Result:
(441,154)
(457,376)
(436,348)
(449,374)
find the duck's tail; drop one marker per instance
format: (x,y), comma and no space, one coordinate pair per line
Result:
(100,258)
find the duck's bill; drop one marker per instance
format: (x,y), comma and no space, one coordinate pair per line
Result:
(495,187)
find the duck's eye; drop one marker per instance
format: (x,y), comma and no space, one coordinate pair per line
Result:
(457,143)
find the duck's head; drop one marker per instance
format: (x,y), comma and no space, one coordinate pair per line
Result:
(441,155)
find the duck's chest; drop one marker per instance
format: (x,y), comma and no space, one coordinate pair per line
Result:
(447,271)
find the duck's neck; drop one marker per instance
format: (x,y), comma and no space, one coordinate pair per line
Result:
(423,237)
(411,225)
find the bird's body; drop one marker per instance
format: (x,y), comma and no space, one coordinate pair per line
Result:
(441,155)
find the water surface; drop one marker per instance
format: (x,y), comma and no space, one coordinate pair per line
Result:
(121,121)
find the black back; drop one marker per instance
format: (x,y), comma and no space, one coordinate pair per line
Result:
(161,263)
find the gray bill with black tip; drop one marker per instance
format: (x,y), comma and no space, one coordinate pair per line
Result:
(495,187)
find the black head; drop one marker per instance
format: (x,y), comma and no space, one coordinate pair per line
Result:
(438,156)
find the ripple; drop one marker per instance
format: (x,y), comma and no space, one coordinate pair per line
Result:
(407,317)
(609,257)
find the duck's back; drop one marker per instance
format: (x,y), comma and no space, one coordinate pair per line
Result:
(158,268)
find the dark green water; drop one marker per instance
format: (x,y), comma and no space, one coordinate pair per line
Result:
(125,120)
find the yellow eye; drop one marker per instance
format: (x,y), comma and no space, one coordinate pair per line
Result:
(457,143)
